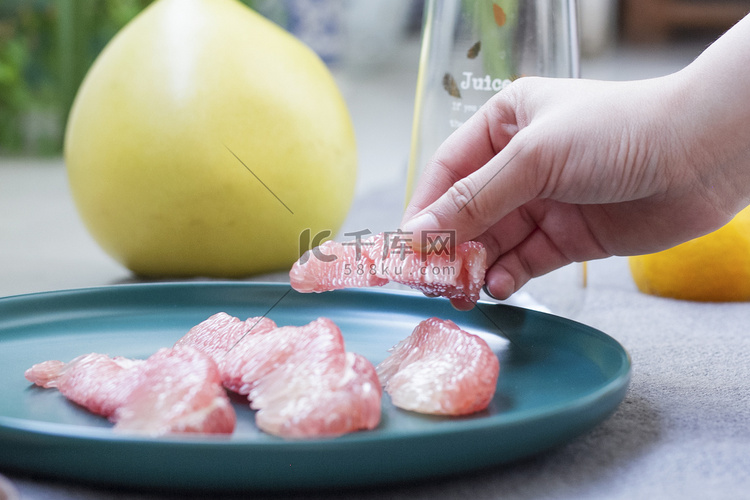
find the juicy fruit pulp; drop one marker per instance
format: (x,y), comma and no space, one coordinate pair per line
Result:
(216,335)
(205,139)
(376,261)
(189,399)
(96,381)
(173,391)
(324,397)
(440,369)
(712,268)
(300,379)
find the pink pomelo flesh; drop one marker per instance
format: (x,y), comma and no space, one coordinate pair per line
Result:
(440,369)
(380,259)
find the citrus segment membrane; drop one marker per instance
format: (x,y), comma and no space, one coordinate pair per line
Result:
(300,378)
(173,391)
(440,369)
(180,392)
(382,258)
(217,334)
(324,398)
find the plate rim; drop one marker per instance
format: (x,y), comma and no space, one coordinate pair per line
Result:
(615,386)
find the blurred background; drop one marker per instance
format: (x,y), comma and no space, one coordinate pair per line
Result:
(46,46)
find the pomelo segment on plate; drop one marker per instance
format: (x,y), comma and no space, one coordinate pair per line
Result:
(173,391)
(300,378)
(323,397)
(457,273)
(440,369)
(180,392)
(281,349)
(99,383)
(219,333)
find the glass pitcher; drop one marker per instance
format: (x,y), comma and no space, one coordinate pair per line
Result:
(472,49)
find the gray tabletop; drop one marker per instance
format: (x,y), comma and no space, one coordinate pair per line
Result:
(683,430)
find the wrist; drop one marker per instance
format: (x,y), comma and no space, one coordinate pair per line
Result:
(716,90)
(707,105)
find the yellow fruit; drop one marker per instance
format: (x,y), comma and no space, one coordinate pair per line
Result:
(205,139)
(712,268)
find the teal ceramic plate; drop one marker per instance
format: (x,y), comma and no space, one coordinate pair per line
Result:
(558,378)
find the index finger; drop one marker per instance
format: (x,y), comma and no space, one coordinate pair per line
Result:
(468,149)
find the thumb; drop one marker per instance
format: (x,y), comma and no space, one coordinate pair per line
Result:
(476,202)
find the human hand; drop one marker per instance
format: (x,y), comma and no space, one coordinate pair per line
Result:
(550,172)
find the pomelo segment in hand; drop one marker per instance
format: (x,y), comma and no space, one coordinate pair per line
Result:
(205,139)
(440,369)
(382,258)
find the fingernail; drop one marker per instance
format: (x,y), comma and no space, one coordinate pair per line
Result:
(486,290)
(418,224)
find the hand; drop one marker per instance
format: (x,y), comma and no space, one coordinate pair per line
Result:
(554,171)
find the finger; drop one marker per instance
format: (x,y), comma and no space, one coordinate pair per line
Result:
(476,202)
(507,233)
(535,256)
(462,304)
(545,235)
(466,150)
